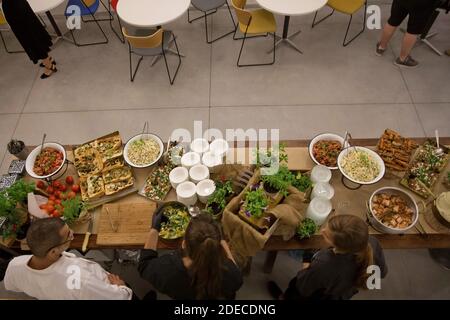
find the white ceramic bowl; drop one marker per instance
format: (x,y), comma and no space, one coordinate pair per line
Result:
(29,163)
(190,159)
(178,175)
(198,173)
(212,161)
(200,146)
(219,147)
(325,136)
(373,154)
(187,193)
(205,189)
(144,137)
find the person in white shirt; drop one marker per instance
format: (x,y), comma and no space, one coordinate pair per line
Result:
(51,273)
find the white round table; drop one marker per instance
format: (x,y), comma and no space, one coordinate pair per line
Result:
(41,6)
(151,13)
(289,8)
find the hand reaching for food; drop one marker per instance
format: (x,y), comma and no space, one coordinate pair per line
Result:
(115,279)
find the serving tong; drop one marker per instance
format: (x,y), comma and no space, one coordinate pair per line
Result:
(439,150)
(42,143)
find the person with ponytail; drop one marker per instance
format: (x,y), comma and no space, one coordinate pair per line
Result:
(339,272)
(203,270)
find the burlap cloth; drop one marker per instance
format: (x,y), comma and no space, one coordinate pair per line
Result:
(245,240)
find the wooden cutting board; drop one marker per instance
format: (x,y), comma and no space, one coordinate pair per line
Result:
(132,221)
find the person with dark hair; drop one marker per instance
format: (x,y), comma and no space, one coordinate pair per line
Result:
(419,11)
(51,273)
(339,272)
(31,34)
(204,269)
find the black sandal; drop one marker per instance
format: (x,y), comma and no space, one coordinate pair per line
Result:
(42,65)
(53,70)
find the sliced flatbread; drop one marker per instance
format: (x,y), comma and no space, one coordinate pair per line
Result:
(89,163)
(84,189)
(96,187)
(118,174)
(110,143)
(111,154)
(82,150)
(113,164)
(115,187)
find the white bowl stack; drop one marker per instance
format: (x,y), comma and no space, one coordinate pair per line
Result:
(191,180)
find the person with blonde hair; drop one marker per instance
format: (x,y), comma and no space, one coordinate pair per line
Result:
(337,273)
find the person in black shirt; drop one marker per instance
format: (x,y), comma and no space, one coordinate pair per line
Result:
(204,269)
(338,272)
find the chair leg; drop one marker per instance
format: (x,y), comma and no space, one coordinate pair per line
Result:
(133,74)
(314,23)
(6,48)
(256,64)
(346,43)
(172,80)
(108,9)
(200,16)
(225,34)
(119,35)
(90,43)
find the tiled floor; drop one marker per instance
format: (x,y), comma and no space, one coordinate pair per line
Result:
(327,88)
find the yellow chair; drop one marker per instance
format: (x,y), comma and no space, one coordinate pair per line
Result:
(349,7)
(150,43)
(5,27)
(257,22)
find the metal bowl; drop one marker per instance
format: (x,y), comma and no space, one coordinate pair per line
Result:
(380,226)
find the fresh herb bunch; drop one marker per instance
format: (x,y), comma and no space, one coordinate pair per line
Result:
(72,209)
(255,203)
(9,199)
(302,182)
(280,180)
(220,195)
(306,228)
(266,159)
(19,191)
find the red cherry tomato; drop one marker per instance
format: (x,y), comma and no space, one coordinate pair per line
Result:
(76,188)
(58,194)
(56,214)
(58,202)
(40,184)
(63,188)
(71,195)
(50,190)
(69,180)
(43,206)
(56,184)
(52,198)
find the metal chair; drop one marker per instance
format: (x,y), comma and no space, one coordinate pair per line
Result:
(5,27)
(151,43)
(209,5)
(348,7)
(112,4)
(87,8)
(258,22)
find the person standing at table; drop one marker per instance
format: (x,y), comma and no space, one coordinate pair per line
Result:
(31,33)
(205,270)
(419,12)
(338,272)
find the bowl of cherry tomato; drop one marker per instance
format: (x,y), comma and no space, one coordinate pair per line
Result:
(42,164)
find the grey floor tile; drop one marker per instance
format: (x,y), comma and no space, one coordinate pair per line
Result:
(97,77)
(360,76)
(303,122)
(76,127)
(16,77)
(435,116)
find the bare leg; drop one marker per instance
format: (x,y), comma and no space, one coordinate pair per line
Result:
(48,65)
(388,32)
(409,40)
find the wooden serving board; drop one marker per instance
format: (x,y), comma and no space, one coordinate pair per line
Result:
(132,221)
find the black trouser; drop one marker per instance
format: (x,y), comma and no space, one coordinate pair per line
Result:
(419,12)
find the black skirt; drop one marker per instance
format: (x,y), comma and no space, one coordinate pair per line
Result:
(27,28)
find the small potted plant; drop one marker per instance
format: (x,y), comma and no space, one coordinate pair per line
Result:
(73,211)
(13,207)
(253,208)
(219,199)
(276,185)
(306,228)
(302,182)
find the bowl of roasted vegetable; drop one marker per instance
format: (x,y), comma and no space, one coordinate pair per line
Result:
(392,210)
(46,161)
(324,149)
(175,222)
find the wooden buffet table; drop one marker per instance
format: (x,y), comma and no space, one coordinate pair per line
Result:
(298,160)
